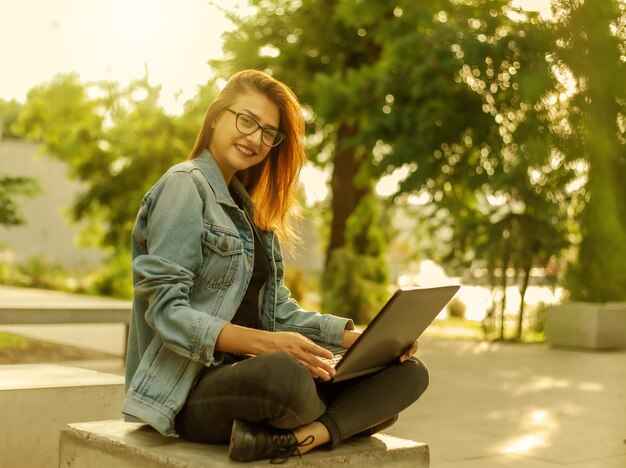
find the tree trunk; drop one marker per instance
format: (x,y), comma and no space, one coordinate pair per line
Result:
(520,317)
(503,285)
(346,192)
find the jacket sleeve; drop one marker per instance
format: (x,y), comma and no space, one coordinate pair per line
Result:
(165,274)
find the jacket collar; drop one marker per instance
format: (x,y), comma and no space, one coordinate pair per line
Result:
(215,178)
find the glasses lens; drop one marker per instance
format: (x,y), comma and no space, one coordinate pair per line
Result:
(246,124)
(272,137)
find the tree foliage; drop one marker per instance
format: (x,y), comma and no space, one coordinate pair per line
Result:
(355,284)
(590,49)
(9,110)
(118,140)
(450,92)
(10,188)
(509,131)
(459,95)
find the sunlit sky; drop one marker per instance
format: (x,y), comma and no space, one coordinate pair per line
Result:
(117,39)
(110,39)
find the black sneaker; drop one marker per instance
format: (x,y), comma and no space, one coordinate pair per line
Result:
(252,441)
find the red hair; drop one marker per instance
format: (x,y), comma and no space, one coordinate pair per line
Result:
(272,183)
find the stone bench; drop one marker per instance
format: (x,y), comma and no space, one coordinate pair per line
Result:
(102,311)
(103,444)
(38,400)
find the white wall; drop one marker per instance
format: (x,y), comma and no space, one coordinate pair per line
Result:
(47,230)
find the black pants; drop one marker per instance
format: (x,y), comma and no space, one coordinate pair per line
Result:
(276,389)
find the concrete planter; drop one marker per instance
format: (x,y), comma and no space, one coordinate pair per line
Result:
(587,325)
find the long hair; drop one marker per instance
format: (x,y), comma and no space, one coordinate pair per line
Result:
(271,183)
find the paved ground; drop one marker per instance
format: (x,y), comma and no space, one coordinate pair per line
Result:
(488,405)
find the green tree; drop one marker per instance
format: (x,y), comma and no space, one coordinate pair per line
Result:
(356,281)
(498,181)
(117,140)
(11,187)
(450,92)
(9,110)
(591,49)
(315,48)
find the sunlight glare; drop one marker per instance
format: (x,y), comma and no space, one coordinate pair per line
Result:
(315,184)
(590,387)
(389,184)
(135,29)
(524,444)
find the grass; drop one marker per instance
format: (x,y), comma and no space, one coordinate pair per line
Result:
(455,328)
(458,328)
(21,350)
(12,342)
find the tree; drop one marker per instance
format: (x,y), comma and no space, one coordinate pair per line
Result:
(9,110)
(117,140)
(590,48)
(11,187)
(500,184)
(356,281)
(315,49)
(450,92)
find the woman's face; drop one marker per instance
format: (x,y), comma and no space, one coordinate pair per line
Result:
(232,150)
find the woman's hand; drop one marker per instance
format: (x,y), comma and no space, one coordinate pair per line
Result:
(409,352)
(305,351)
(243,340)
(349,337)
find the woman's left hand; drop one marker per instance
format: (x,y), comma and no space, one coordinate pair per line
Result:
(349,337)
(409,352)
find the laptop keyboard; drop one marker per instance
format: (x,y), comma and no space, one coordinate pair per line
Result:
(338,352)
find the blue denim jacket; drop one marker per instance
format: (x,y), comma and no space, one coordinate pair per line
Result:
(193,253)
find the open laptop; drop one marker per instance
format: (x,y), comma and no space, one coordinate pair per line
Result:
(398,324)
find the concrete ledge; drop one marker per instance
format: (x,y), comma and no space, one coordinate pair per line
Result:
(103,444)
(37,400)
(586,325)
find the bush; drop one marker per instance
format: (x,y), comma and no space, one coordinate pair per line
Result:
(355,280)
(355,286)
(38,271)
(294,280)
(114,278)
(537,318)
(456,308)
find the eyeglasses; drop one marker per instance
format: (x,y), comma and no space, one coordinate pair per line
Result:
(248,125)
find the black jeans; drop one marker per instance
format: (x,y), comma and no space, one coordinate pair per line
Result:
(277,390)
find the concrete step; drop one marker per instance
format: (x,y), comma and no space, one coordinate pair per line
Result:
(102,444)
(37,400)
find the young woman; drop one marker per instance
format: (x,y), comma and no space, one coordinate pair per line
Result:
(218,351)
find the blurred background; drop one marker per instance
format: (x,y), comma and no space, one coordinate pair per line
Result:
(471,141)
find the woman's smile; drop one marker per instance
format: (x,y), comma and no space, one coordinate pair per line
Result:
(245,150)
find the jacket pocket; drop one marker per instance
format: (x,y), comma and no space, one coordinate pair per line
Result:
(222,253)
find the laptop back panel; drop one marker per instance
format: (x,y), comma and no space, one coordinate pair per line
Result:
(398,324)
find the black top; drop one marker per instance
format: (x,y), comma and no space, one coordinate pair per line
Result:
(248,313)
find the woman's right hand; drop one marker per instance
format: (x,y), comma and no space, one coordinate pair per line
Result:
(305,351)
(242,340)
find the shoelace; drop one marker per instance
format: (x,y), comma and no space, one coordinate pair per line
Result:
(284,451)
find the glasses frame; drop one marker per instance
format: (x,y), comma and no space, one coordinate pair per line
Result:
(278,138)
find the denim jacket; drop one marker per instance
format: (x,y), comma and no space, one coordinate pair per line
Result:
(193,253)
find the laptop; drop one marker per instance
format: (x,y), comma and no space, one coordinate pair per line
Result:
(397,325)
